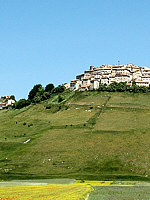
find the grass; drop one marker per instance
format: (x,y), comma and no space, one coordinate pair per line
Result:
(124,119)
(36,182)
(90,98)
(129,100)
(117,193)
(108,139)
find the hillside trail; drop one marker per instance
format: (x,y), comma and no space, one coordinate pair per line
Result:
(97,115)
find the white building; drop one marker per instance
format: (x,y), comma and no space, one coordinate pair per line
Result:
(107,74)
(142,83)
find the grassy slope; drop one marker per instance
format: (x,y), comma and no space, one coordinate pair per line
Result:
(89,135)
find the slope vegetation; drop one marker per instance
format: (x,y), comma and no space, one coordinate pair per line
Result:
(89,135)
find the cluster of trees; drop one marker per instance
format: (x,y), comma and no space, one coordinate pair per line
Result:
(123,87)
(38,94)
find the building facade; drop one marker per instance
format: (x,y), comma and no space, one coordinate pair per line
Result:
(107,74)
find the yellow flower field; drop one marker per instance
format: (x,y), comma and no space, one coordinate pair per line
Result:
(52,192)
(76,191)
(102,183)
(95,183)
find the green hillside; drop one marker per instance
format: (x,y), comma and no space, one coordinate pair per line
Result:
(89,135)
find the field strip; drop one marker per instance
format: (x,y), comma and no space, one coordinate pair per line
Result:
(68,190)
(104,183)
(34,182)
(53,191)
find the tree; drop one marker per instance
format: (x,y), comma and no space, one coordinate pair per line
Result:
(143,89)
(122,86)
(46,95)
(102,87)
(135,88)
(21,103)
(112,87)
(12,97)
(36,89)
(58,89)
(49,87)
(37,98)
(133,83)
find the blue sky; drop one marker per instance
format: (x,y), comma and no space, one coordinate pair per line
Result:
(51,41)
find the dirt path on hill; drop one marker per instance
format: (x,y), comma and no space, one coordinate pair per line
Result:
(97,115)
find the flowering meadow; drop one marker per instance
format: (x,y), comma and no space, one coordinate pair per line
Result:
(105,183)
(52,192)
(76,191)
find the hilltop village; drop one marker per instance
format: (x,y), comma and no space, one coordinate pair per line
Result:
(107,74)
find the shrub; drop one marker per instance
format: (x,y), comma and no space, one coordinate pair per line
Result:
(30,125)
(21,103)
(48,107)
(60,99)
